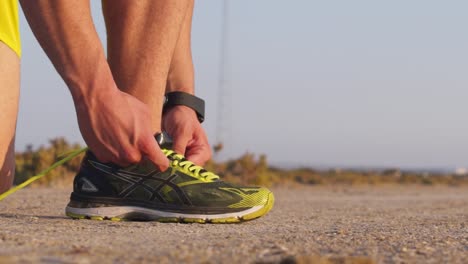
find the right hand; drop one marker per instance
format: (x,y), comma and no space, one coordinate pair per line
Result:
(117,128)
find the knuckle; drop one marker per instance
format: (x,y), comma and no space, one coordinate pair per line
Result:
(146,144)
(130,156)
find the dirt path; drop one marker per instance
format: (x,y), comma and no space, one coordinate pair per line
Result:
(307,225)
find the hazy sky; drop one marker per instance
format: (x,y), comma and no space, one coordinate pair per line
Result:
(319,83)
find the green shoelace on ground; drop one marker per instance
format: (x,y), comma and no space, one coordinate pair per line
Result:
(68,156)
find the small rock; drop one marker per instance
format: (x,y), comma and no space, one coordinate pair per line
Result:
(420,252)
(429,248)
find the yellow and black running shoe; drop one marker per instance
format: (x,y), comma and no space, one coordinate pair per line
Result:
(183,193)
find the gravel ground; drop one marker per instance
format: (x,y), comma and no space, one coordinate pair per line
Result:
(399,224)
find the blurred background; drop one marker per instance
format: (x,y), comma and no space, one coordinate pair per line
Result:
(323,84)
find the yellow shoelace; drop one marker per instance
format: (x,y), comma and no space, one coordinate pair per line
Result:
(67,157)
(178,161)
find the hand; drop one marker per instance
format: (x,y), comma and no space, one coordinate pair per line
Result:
(116,127)
(189,138)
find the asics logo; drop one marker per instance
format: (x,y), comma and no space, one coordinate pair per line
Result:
(88,186)
(141,181)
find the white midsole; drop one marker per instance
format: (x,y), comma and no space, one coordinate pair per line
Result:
(117,211)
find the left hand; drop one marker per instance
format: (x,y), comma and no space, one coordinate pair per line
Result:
(189,137)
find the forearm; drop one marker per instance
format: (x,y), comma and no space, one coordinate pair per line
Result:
(181,72)
(66,32)
(181,75)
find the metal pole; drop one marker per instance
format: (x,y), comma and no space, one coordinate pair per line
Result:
(222,79)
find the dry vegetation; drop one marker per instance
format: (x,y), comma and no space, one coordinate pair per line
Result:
(248,169)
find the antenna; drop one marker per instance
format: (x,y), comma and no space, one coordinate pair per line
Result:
(223,92)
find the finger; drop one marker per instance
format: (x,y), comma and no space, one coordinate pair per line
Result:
(199,154)
(129,155)
(180,143)
(151,150)
(102,155)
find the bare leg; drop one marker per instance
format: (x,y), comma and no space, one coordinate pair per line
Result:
(142,36)
(9,94)
(181,122)
(181,72)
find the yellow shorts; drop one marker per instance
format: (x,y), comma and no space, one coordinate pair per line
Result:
(9,25)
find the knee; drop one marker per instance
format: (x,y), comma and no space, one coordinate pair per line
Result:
(7,175)
(4,187)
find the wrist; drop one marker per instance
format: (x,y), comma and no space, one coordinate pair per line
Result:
(88,87)
(185,99)
(180,82)
(185,89)
(181,109)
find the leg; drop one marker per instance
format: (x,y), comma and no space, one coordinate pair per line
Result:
(9,95)
(181,122)
(181,72)
(142,36)
(148,55)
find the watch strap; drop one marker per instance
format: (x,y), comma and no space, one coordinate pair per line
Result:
(185,99)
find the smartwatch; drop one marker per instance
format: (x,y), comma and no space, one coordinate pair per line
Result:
(186,99)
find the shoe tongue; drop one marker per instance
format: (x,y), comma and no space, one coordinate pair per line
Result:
(164,140)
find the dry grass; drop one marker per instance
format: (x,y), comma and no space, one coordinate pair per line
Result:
(247,169)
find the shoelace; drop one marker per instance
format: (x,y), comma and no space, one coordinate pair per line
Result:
(66,157)
(179,161)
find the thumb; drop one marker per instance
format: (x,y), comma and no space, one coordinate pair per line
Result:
(180,143)
(198,154)
(152,151)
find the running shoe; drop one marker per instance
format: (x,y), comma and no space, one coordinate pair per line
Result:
(183,193)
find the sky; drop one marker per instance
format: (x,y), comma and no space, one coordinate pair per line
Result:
(308,83)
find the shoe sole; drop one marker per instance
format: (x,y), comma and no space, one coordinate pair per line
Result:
(133,213)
